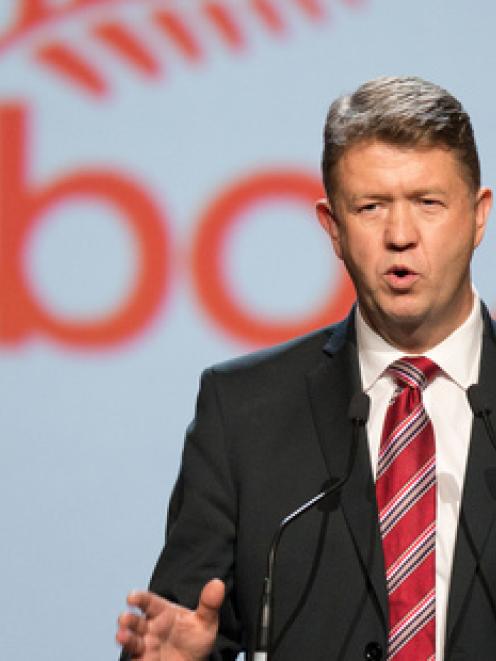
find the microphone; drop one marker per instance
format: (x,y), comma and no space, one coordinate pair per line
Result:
(358,410)
(358,413)
(480,409)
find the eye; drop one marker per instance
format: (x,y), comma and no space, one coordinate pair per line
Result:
(430,202)
(368,208)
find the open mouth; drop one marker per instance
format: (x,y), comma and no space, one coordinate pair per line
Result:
(401,276)
(401,273)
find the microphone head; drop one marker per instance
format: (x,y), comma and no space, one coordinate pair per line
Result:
(358,410)
(476,400)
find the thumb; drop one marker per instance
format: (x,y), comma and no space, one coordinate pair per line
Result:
(210,601)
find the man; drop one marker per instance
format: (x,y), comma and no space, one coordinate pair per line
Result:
(384,568)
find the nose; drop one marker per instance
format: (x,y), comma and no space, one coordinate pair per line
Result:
(401,231)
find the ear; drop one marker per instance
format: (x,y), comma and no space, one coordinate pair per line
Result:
(330,223)
(483,204)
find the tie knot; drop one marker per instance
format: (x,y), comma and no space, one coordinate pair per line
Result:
(413,371)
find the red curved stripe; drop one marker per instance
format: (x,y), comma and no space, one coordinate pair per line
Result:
(313,8)
(32,11)
(32,14)
(355,4)
(72,66)
(269,15)
(176,29)
(127,45)
(223,20)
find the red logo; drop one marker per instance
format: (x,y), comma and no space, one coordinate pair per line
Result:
(23,205)
(26,203)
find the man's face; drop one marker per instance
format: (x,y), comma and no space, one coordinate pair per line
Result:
(405,223)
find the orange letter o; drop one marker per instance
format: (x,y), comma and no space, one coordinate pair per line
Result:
(211,282)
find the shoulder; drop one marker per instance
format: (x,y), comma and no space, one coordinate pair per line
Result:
(283,362)
(489,324)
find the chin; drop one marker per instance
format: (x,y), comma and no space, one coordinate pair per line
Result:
(404,315)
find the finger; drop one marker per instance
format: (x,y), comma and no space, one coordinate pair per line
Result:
(133,644)
(151,604)
(136,623)
(211,599)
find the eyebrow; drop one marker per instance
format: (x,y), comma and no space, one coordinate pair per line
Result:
(429,191)
(420,192)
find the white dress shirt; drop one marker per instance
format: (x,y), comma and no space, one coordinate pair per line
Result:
(446,402)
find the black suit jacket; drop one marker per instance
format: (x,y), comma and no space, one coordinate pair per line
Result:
(270,430)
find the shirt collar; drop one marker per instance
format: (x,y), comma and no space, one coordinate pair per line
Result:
(457,355)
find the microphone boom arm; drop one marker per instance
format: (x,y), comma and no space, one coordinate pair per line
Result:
(358,412)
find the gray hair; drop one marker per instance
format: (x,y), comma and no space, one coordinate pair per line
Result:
(405,111)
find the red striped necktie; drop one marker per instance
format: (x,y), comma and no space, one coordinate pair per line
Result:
(406,499)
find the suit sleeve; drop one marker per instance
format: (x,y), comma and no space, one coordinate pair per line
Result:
(201,527)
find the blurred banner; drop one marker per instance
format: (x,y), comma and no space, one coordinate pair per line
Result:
(159,163)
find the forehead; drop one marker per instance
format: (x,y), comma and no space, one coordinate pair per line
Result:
(374,166)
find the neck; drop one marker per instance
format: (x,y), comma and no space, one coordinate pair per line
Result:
(417,336)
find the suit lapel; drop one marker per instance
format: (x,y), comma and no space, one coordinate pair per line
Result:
(331,387)
(478,504)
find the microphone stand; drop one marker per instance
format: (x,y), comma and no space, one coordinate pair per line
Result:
(358,413)
(481,410)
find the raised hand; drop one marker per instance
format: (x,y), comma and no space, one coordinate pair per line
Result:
(168,632)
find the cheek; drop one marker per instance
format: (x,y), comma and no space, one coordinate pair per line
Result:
(362,264)
(362,252)
(451,247)
(365,253)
